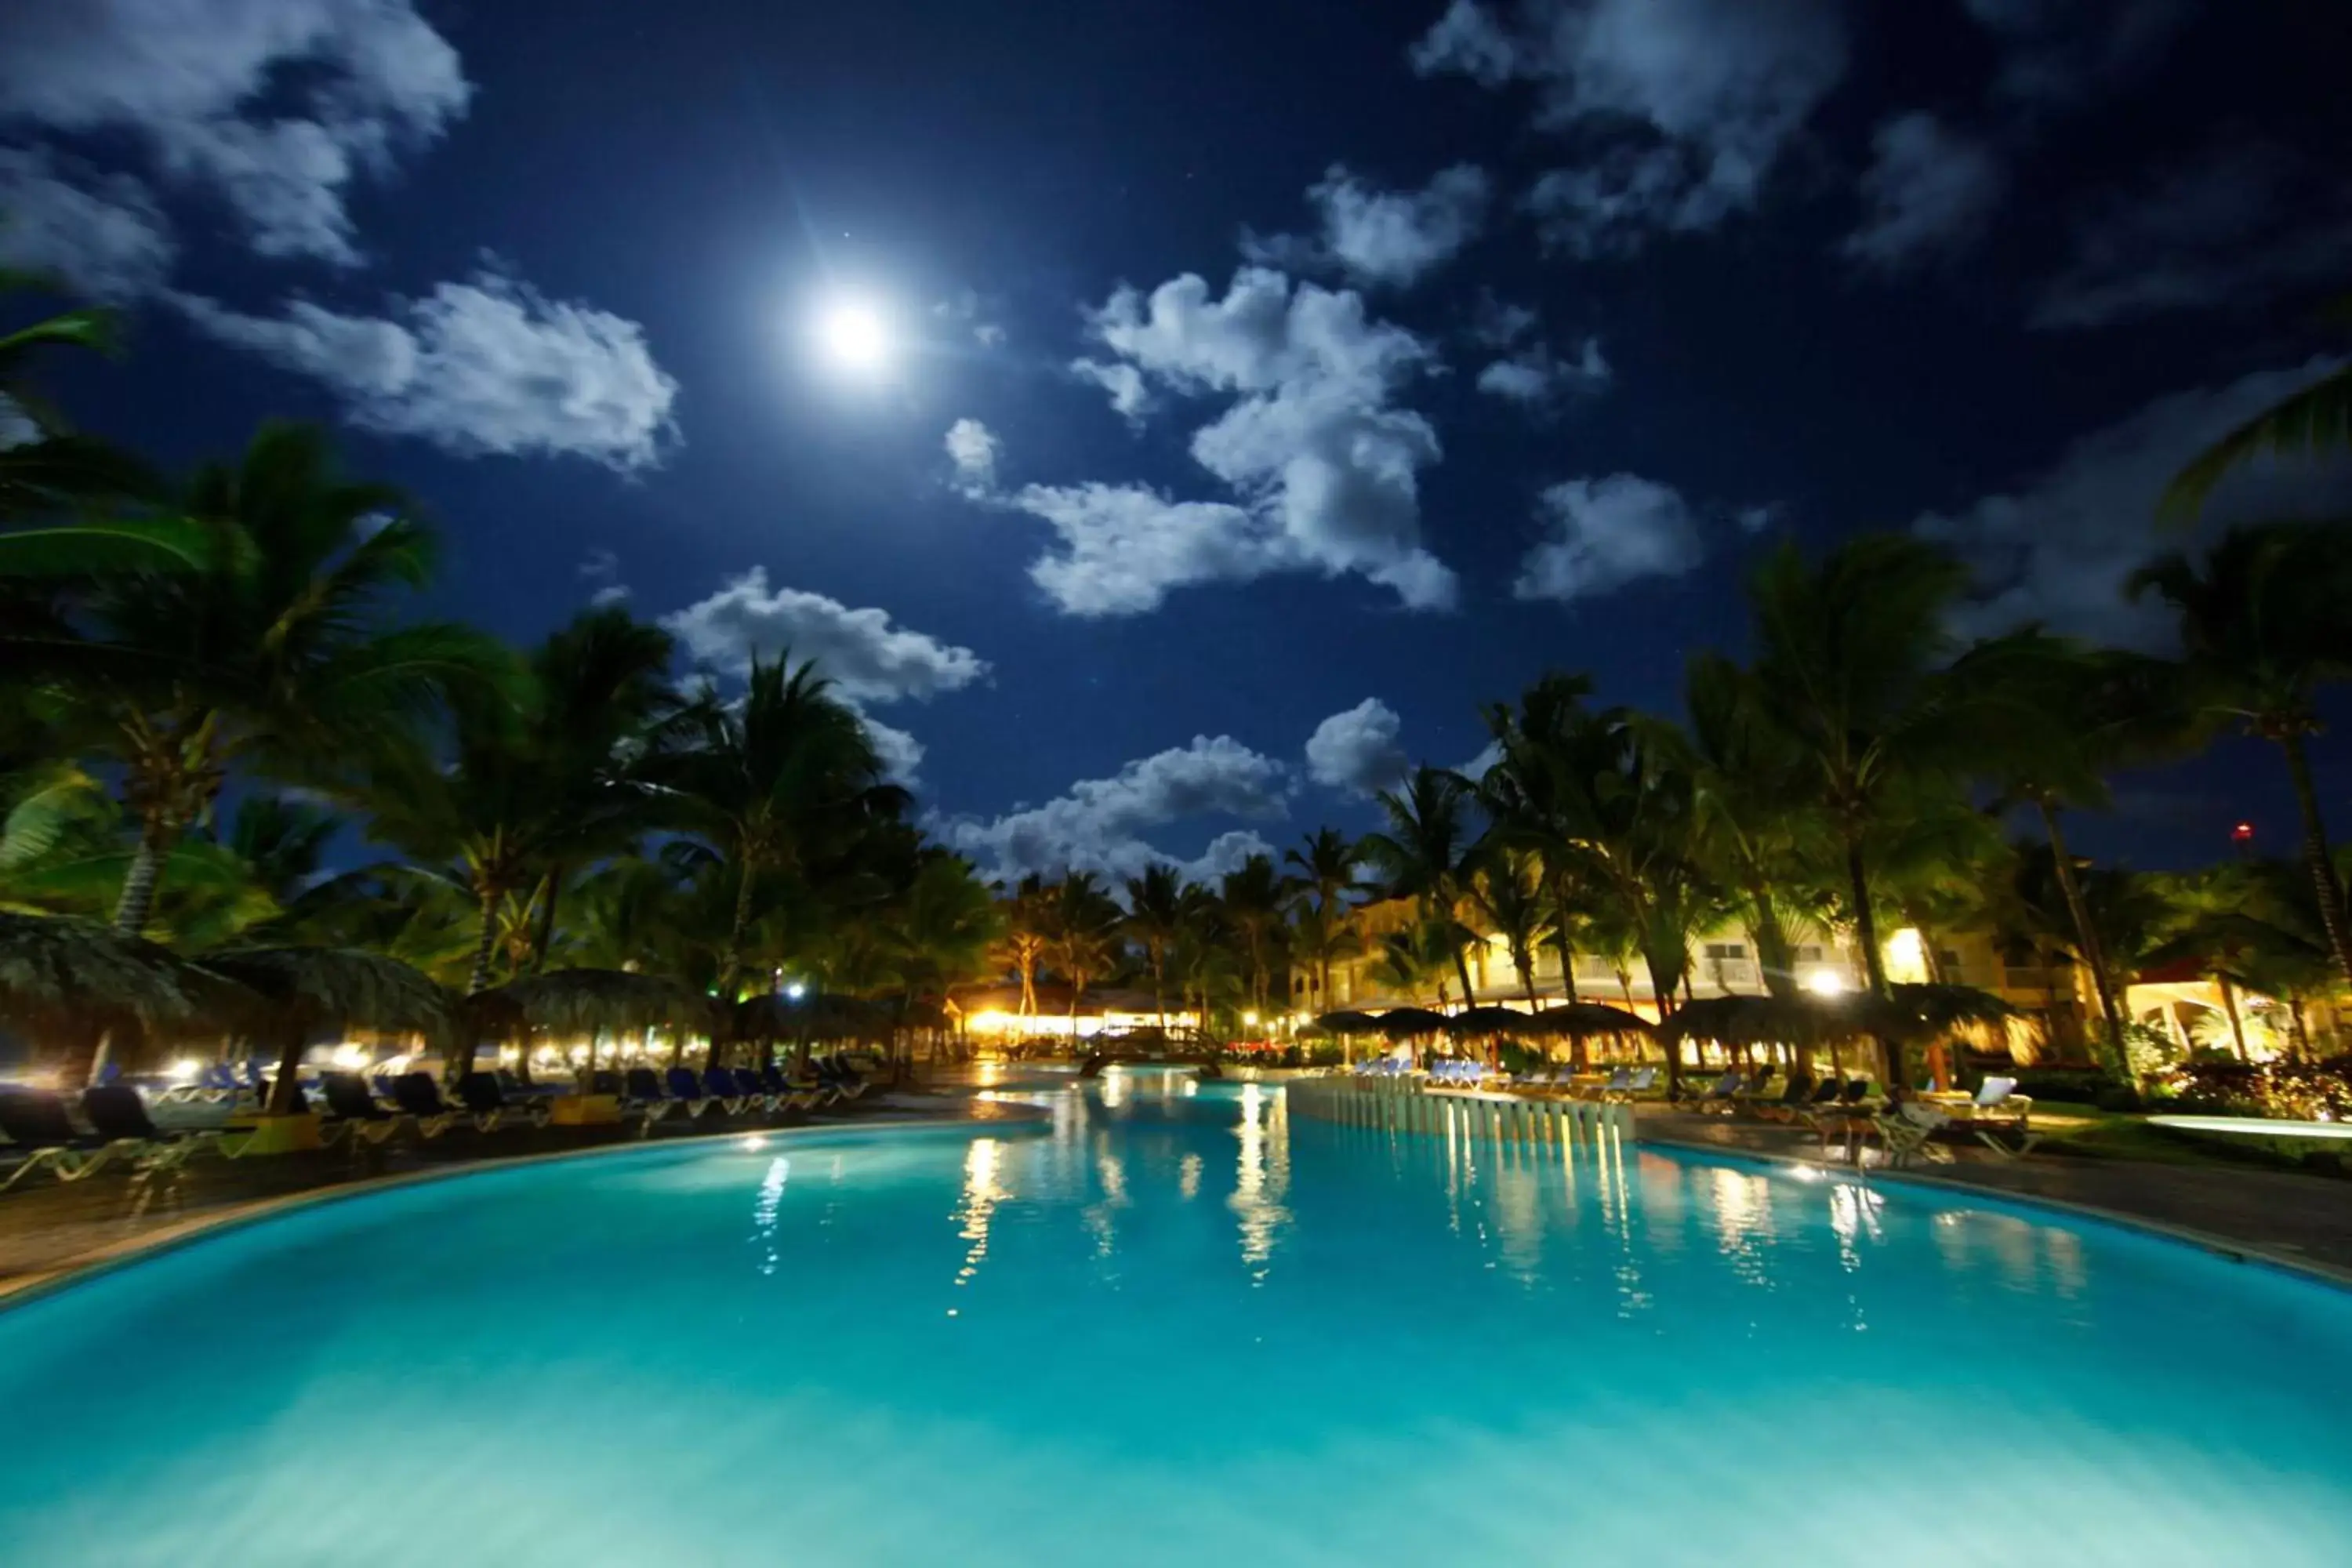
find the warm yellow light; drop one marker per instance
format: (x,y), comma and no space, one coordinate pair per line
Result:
(1250,1019)
(349,1056)
(1906,953)
(1825,982)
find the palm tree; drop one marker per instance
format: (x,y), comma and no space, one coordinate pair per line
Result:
(1428,852)
(1252,895)
(1155,918)
(1323,938)
(1848,670)
(2262,628)
(1084,923)
(2304,423)
(1027,936)
(783,782)
(2068,715)
(276,655)
(604,720)
(1328,861)
(1508,894)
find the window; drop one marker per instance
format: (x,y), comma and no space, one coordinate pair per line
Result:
(1727,950)
(1809,954)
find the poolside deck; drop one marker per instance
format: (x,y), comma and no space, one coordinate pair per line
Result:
(2303,1219)
(47,1226)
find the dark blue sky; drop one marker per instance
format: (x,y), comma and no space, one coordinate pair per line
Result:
(1986,268)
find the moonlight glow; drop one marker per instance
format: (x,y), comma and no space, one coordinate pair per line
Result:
(854,335)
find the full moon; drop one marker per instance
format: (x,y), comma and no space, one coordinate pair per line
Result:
(855,336)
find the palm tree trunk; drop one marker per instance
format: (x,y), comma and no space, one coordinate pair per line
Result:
(2087,937)
(2314,854)
(1874,966)
(545,938)
(2237,1025)
(1567,949)
(145,878)
(730,969)
(478,981)
(286,1089)
(1462,968)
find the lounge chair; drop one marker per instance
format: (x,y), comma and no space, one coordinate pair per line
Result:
(1802,1093)
(784,1093)
(351,1109)
(1721,1092)
(485,1100)
(36,1123)
(1619,1082)
(1909,1131)
(687,1089)
(1642,1081)
(1998,1109)
(642,1095)
(420,1097)
(118,1114)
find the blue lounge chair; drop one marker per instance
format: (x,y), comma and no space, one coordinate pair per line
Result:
(420,1097)
(117,1113)
(485,1100)
(36,1124)
(353,1110)
(687,1089)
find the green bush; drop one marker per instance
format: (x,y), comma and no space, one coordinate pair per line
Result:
(2292,1091)
(2075,1086)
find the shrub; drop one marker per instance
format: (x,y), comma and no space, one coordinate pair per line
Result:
(2075,1086)
(2293,1091)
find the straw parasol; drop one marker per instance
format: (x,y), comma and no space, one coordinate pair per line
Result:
(1412,1022)
(591,1002)
(1578,1020)
(1346,1023)
(76,978)
(1491,1021)
(294,991)
(821,1015)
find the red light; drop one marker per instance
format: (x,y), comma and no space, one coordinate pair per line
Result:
(2242,832)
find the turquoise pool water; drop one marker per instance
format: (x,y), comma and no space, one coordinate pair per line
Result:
(1174,1329)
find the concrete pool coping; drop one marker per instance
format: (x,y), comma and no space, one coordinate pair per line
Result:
(18,1289)
(2230,1248)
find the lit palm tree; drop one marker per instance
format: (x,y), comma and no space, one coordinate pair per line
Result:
(277,656)
(1252,895)
(1328,863)
(1849,654)
(1155,918)
(783,783)
(1429,851)
(2262,628)
(1027,936)
(1508,894)
(1083,924)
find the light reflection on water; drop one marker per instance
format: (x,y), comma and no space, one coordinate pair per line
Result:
(1257,1338)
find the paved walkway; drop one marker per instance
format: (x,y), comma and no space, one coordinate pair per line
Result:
(2306,1219)
(47,1226)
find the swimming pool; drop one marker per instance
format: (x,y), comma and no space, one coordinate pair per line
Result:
(1174,1328)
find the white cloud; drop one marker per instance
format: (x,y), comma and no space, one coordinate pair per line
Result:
(2242,223)
(2057,53)
(1128,396)
(1500,324)
(1688,103)
(2057,549)
(866,656)
(489,366)
(1391,239)
(1927,192)
(973,448)
(1324,469)
(1357,750)
(1099,824)
(1479,766)
(901,753)
(273,105)
(1536,376)
(1225,854)
(1123,547)
(1604,533)
(602,567)
(101,234)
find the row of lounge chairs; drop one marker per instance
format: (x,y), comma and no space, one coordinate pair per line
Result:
(117,1128)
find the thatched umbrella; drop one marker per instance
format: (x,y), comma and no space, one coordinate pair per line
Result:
(1412,1022)
(77,979)
(1578,1022)
(1491,1021)
(818,1016)
(302,989)
(591,1002)
(1346,1023)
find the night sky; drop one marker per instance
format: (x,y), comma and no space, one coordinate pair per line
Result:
(1259,373)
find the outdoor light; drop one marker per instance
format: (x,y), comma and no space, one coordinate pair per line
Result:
(1825,982)
(1250,1019)
(796,990)
(185,1069)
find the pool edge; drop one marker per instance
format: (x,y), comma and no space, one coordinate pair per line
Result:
(84,1266)
(2229,1248)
